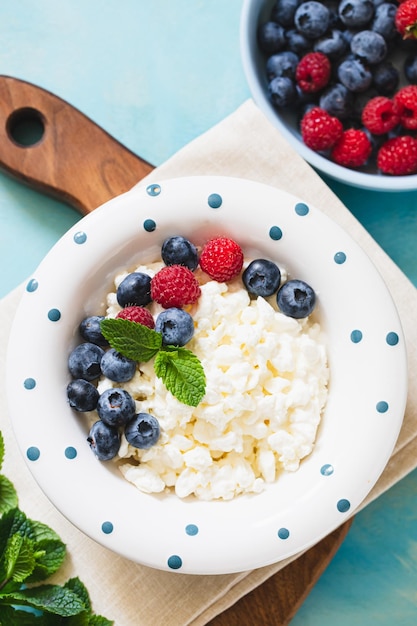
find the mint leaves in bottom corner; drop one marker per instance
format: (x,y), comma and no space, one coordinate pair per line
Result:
(30,552)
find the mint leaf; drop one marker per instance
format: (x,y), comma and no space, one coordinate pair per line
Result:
(1,450)
(180,370)
(182,373)
(10,616)
(49,557)
(50,552)
(50,598)
(131,339)
(8,495)
(80,590)
(19,558)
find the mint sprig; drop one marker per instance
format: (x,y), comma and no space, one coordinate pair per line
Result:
(179,369)
(30,552)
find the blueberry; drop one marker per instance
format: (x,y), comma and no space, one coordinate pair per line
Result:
(271,37)
(282,64)
(176,327)
(84,361)
(296,299)
(356,13)
(384,20)
(261,277)
(115,407)
(386,78)
(369,46)
(337,100)
(333,44)
(284,10)
(117,367)
(282,91)
(135,289)
(179,251)
(312,19)
(354,75)
(410,69)
(297,42)
(104,441)
(142,431)
(90,330)
(82,395)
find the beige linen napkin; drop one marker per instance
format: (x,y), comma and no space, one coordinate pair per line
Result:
(243,145)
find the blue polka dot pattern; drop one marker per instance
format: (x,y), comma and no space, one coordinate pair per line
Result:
(32,285)
(327,469)
(80,237)
(392,339)
(214,200)
(343,505)
(29,383)
(33,453)
(54,315)
(382,406)
(283,533)
(153,190)
(149,225)
(356,336)
(339,258)
(301,209)
(174,562)
(70,452)
(191,529)
(107,528)
(275,233)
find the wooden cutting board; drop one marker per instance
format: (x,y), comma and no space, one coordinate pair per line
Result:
(80,164)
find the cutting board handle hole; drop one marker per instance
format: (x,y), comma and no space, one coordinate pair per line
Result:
(26,127)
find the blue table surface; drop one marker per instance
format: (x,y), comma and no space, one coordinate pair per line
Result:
(156,75)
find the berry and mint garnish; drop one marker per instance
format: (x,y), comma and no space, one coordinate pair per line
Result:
(350,60)
(262,277)
(138,314)
(174,286)
(143,431)
(135,289)
(157,330)
(104,440)
(221,258)
(296,298)
(178,250)
(115,407)
(176,327)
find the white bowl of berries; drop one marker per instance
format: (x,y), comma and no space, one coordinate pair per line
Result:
(339,80)
(189,369)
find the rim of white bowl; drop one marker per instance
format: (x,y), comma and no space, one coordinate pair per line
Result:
(251,59)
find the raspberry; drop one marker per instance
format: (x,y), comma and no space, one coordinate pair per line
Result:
(137,314)
(222,259)
(398,156)
(406,100)
(352,149)
(174,286)
(320,130)
(406,19)
(380,115)
(313,72)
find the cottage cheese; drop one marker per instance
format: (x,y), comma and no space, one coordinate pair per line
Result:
(266,377)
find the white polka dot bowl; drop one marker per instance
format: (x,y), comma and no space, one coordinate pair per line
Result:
(361,421)
(256,12)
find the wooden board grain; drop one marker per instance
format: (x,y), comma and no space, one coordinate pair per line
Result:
(79,163)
